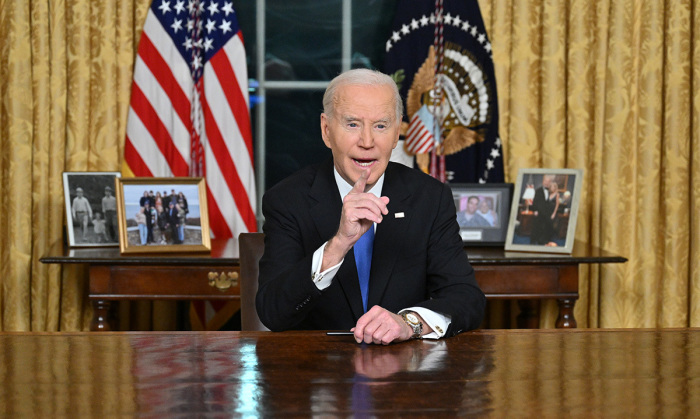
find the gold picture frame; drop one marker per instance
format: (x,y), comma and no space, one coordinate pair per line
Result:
(544,221)
(176,220)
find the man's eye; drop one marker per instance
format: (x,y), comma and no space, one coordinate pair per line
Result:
(352,124)
(381,126)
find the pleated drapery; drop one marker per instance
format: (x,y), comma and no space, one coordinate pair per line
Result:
(66,80)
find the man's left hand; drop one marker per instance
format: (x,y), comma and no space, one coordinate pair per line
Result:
(381,326)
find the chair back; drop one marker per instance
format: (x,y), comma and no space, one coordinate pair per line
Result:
(251,246)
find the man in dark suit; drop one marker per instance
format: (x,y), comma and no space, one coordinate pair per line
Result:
(542,227)
(173,222)
(420,281)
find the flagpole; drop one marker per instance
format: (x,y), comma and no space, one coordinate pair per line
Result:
(260,111)
(346,47)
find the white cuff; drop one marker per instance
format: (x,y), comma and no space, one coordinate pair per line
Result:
(322,280)
(438,322)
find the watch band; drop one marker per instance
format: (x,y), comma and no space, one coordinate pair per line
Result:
(412,320)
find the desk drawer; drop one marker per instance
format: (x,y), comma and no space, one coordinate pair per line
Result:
(528,281)
(164,282)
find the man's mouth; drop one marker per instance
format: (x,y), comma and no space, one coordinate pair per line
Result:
(363,163)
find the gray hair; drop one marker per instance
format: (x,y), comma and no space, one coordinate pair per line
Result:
(361,77)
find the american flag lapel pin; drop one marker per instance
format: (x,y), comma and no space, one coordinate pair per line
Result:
(398,215)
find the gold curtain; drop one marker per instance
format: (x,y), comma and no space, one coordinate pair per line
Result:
(66,68)
(606,86)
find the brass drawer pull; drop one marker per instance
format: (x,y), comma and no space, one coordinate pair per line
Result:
(224,280)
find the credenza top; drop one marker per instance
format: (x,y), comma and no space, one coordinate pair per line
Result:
(225,253)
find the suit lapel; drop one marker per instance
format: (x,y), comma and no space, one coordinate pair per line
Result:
(326,216)
(392,230)
(325,213)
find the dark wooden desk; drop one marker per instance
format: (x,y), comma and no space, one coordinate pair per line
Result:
(526,277)
(496,373)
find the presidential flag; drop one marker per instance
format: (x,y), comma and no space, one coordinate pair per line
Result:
(189,113)
(440,56)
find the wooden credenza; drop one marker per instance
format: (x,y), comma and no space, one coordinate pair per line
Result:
(526,277)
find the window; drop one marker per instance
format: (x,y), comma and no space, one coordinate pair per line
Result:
(295,47)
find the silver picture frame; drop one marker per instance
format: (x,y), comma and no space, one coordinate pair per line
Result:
(544,210)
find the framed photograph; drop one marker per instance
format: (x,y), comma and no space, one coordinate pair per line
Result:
(163,215)
(544,210)
(91,208)
(482,212)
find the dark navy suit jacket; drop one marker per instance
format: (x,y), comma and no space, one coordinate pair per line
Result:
(418,257)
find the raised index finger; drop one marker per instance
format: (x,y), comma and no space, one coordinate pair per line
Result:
(359,186)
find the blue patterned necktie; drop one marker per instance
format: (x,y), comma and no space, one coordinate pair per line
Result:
(363,261)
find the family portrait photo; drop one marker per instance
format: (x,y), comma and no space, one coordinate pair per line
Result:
(482,212)
(163,215)
(543,214)
(91,209)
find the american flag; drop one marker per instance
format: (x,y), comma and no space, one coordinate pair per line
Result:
(189,112)
(189,116)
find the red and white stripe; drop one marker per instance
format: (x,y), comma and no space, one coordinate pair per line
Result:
(419,139)
(160,125)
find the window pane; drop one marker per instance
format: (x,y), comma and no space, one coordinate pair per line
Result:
(245,13)
(303,39)
(371,27)
(293,133)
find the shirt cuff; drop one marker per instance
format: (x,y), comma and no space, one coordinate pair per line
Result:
(322,280)
(438,322)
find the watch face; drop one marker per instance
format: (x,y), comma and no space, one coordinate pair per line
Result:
(412,318)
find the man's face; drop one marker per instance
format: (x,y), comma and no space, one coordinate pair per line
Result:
(484,206)
(362,131)
(471,205)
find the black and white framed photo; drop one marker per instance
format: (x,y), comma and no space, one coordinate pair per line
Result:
(91,208)
(163,215)
(482,212)
(544,210)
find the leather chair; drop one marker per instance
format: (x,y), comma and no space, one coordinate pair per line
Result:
(251,246)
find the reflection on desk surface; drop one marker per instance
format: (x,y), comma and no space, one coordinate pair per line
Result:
(546,373)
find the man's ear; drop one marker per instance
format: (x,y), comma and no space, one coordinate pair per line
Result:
(398,136)
(324,130)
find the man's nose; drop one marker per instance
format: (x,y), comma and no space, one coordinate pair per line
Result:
(366,137)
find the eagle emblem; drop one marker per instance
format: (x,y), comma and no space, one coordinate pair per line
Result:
(462,111)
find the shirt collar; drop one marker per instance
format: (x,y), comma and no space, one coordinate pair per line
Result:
(344,187)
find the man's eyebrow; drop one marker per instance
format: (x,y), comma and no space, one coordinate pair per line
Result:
(351,118)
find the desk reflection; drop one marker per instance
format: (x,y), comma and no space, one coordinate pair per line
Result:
(341,377)
(586,373)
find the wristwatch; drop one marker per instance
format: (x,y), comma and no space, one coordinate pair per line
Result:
(414,323)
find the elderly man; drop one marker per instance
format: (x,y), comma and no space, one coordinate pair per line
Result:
(360,243)
(542,226)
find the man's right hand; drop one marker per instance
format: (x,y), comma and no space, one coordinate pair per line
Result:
(360,211)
